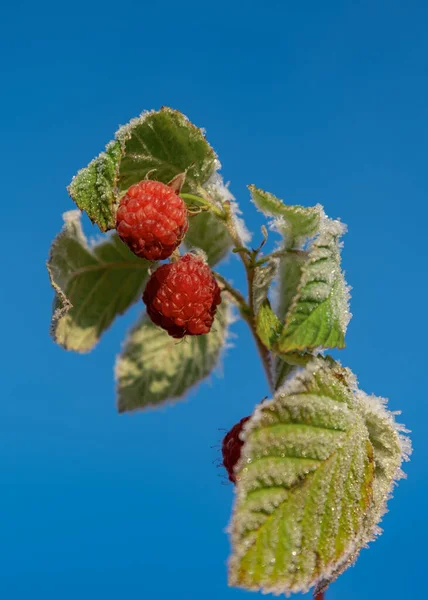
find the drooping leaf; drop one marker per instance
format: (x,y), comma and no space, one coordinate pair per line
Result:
(307,483)
(297,222)
(94,189)
(93,285)
(319,313)
(268,326)
(210,235)
(161,144)
(263,278)
(154,368)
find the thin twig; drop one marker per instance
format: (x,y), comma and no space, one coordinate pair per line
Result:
(236,295)
(249,316)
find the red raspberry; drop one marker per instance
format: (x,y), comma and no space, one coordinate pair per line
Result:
(182,297)
(231,448)
(151,220)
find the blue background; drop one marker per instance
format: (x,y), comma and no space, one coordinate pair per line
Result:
(314,101)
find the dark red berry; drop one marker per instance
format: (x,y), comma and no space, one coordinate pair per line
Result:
(151,220)
(182,297)
(231,448)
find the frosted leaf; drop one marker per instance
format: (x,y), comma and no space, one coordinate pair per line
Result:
(154,368)
(93,284)
(308,494)
(161,144)
(319,312)
(94,189)
(296,223)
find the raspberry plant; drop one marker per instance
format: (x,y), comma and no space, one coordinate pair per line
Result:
(314,465)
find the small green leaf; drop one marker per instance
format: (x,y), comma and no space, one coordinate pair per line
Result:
(94,189)
(166,143)
(296,222)
(93,285)
(308,494)
(210,235)
(319,312)
(268,326)
(154,368)
(263,277)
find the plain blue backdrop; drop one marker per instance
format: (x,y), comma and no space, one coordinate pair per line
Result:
(314,101)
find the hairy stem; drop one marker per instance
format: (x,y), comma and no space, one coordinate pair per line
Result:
(263,351)
(320,596)
(248,312)
(237,297)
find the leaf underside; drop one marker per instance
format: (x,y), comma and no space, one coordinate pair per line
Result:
(92,285)
(154,368)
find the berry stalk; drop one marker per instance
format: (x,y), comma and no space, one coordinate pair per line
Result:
(247,308)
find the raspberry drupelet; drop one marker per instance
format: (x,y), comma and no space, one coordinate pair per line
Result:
(151,220)
(231,448)
(182,297)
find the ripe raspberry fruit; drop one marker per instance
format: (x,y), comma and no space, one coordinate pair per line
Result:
(151,220)
(231,448)
(182,297)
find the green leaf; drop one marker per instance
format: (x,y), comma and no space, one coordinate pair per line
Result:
(319,313)
(297,222)
(305,480)
(166,143)
(154,368)
(268,326)
(94,189)
(161,144)
(263,277)
(93,285)
(307,483)
(210,235)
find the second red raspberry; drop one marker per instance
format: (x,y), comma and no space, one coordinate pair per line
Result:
(182,297)
(151,220)
(231,448)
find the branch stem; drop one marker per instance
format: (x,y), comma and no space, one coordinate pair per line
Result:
(248,259)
